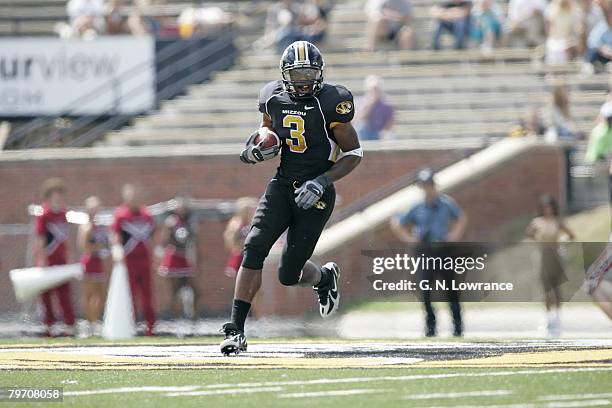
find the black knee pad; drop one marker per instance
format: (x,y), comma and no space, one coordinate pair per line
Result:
(253,258)
(289,276)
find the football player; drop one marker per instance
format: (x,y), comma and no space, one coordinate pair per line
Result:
(599,280)
(318,147)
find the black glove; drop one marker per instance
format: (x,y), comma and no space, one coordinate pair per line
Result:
(311,191)
(254,153)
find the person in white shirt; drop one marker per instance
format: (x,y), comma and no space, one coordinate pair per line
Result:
(86,17)
(389,20)
(525,23)
(563,21)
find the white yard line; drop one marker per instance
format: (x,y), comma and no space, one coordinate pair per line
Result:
(123,390)
(330,393)
(413,377)
(519,405)
(561,397)
(576,404)
(224,392)
(565,404)
(436,395)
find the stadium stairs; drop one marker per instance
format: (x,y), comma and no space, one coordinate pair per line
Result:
(39,17)
(461,98)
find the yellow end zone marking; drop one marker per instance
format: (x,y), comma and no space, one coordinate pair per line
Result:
(66,361)
(85,359)
(602,357)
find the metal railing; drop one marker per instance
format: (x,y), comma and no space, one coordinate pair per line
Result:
(189,61)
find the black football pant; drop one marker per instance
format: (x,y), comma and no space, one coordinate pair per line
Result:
(278,212)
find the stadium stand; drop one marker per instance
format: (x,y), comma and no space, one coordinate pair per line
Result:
(444,100)
(39,17)
(449,96)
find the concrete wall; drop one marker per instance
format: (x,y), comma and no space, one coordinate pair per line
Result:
(161,173)
(505,194)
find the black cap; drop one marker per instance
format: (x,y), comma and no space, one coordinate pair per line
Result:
(425,176)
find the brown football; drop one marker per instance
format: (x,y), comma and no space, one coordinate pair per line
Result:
(269,137)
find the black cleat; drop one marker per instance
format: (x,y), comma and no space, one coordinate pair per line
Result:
(234,341)
(329,295)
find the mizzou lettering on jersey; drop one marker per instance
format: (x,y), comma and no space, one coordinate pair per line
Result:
(52,225)
(305,127)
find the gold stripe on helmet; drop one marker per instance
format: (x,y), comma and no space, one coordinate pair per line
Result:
(301,51)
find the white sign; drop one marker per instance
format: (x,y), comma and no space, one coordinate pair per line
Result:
(51,76)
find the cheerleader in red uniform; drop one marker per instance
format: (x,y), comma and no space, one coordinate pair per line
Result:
(133,229)
(236,231)
(94,243)
(178,259)
(51,250)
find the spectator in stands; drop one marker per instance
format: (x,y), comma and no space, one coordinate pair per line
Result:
(178,249)
(389,20)
(281,24)
(94,244)
(313,20)
(436,219)
(132,230)
(600,140)
(236,232)
(203,21)
(375,115)
(51,250)
(86,17)
(599,41)
(138,24)
(115,18)
(592,14)
(562,123)
(487,20)
(531,125)
(525,23)
(288,21)
(563,22)
(548,229)
(452,16)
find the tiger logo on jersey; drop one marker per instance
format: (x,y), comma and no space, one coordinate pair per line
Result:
(344,107)
(320,205)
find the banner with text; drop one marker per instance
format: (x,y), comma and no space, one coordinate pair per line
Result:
(51,76)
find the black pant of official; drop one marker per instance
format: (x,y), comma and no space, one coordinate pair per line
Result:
(452,296)
(278,212)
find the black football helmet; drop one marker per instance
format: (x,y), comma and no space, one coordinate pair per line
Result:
(302,70)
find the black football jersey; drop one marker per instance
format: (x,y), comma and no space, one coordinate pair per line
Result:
(305,127)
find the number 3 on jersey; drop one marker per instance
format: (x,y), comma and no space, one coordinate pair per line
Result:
(296,140)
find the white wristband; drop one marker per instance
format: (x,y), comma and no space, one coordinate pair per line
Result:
(355,152)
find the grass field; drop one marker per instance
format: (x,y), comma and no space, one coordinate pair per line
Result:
(324,372)
(290,373)
(344,388)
